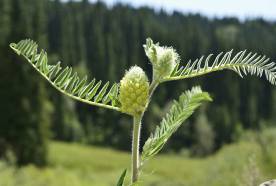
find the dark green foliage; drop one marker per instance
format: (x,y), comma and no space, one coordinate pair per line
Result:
(66,124)
(24,108)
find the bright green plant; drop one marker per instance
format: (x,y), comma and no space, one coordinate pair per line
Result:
(132,95)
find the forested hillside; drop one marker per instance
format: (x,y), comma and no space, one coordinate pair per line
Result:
(104,42)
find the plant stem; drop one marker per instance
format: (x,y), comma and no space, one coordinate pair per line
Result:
(152,88)
(135,147)
(136,137)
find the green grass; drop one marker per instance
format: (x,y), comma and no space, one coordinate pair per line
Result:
(79,165)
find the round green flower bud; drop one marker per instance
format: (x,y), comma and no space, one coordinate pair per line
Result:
(134,91)
(163,59)
(166,61)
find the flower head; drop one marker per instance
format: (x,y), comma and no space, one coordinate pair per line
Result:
(134,91)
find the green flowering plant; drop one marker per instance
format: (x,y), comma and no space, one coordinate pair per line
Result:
(133,94)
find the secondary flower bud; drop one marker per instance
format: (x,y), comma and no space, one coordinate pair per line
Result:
(163,59)
(134,91)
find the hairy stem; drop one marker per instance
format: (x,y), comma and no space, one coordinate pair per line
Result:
(136,137)
(135,147)
(153,86)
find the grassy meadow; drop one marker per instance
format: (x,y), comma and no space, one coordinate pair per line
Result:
(241,163)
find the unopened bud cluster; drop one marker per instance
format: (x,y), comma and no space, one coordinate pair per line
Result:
(163,59)
(134,91)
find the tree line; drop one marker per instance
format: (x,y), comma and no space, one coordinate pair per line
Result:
(103,42)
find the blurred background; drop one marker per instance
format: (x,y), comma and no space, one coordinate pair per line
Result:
(47,139)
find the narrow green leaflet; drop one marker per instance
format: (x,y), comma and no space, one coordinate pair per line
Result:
(122,178)
(179,112)
(65,80)
(243,63)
